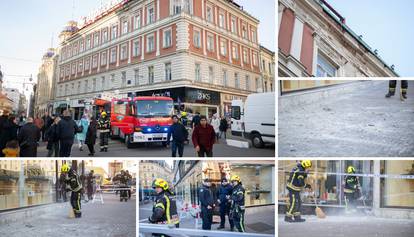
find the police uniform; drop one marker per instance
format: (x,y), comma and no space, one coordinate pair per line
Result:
(206,199)
(164,211)
(104,126)
(350,190)
(237,206)
(74,184)
(392,86)
(295,184)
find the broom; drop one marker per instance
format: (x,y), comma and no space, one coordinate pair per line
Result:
(319,213)
(71,213)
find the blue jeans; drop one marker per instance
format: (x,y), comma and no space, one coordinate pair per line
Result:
(175,146)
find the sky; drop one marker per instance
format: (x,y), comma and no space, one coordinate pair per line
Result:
(386,26)
(27,28)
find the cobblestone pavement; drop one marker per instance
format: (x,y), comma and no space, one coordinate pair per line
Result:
(360,123)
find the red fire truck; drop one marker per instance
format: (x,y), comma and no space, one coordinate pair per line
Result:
(141,119)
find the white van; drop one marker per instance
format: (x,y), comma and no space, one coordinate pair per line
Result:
(255,119)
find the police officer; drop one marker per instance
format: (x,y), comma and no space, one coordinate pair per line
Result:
(237,207)
(207,204)
(296,183)
(104,126)
(224,193)
(164,210)
(392,86)
(73,184)
(351,189)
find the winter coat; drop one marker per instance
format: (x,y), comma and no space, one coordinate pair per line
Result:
(215,122)
(91,133)
(223,125)
(204,137)
(52,136)
(28,138)
(178,132)
(66,129)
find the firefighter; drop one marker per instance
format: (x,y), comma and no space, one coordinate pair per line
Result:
(104,126)
(296,183)
(392,86)
(207,204)
(237,207)
(73,184)
(351,189)
(164,211)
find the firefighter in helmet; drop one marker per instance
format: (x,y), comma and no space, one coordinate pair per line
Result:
(73,184)
(237,208)
(295,184)
(351,189)
(104,127)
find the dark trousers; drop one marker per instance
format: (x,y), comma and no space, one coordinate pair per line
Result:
(225,210)
(393,85)
(350,201)
(104,136)
(55,150)
(75,202)
(90,191)
(295,204)
(207,217)
(238,219)
(177,146)
(65,148)
(203,152)
(91,148)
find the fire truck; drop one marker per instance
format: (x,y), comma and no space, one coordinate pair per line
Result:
(144,119)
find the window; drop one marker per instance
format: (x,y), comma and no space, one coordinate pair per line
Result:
(255,59)
(150,43)
(103,58)
(256,82)
(168,71)
(80,67)
(86,89)
(324,67)
(150,14)
(270,68)
(123,79)
(103,83)
(112,80)
(221,20)
(136,76)
(151,75)
(73,68)
(96,40)
(125,27)
(197,38)
(78,90)
(197,72)
(137,21)
(87,64)
(136,48)
(66,89)
(233,25)
(181,6)
(224,78)
(177,7)
(235,52)
(245,56)
(211,75)
(114,33)
(113,55)
(167,41)
(95,61)
(210,43)
(81,46)
(223,47)
(88,42)
(94,84)
(124,51)
(247,83)
(244,31)
(105,36)
(236,80)
(254,35)
(210,14)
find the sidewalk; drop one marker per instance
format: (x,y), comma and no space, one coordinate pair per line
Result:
(359,122)
(339,226)
(113,218)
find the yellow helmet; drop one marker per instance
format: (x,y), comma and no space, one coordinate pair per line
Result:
(235,178)
(351,169)
(103,113)
(183,114)
(65,168)
(160,183)
(306,163)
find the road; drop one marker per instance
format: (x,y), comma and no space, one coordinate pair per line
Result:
(362,123)
(113,218)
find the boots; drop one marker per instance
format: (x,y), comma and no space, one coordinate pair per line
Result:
(289,219)
(404,96)
(106,149)
(299,219)
(389,95)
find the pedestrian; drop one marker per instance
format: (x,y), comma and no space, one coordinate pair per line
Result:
(196,120)
(351,190)
(90,184)
(179,136)
(223,127)
(207,204)
(66,130)
(215,122)
(28,137)
(296,183)
(22,120)
(4,127)
(73,184)
(392,86)
(104,127)
(83,127)
(164,211)
(12,149)
(52,138)
(90,139)
(224,193)
(39,123)
(203,138)
(237,208)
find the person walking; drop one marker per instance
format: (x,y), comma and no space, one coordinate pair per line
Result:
(215,122)
(53,139)
(204,138)
(196,120)
(39,123)
(223,127)
(83,127)
(90,184)
(104,127)
(28,137)
(224,193)
(66,130)
(90,139)
(179,136)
